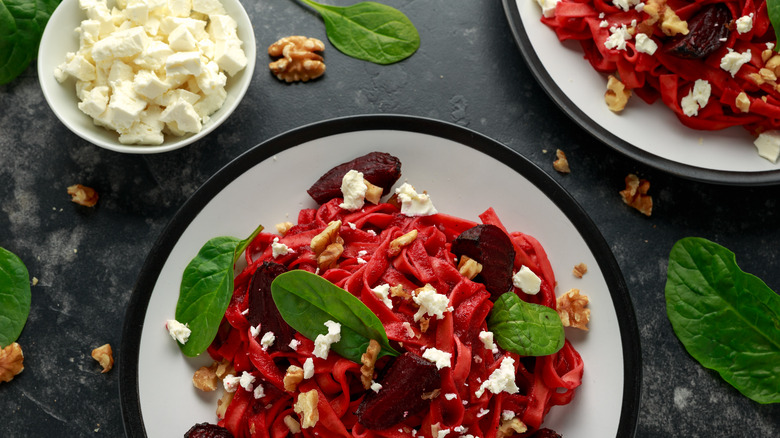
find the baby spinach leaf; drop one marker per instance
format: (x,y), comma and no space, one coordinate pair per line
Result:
(206,288)
(525,328)
(773,10)
(727,319)
(306,301)
(369,31)
(21,27)
(14,297)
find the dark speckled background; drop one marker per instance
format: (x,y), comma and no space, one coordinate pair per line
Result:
(468,71)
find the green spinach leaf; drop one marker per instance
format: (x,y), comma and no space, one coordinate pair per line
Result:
(727,319)
(369,31)
(773,10)
(206,288)
(306,301)
(21,27)
(525,328)
(14,297)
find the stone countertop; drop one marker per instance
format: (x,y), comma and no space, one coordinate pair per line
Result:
(468,71)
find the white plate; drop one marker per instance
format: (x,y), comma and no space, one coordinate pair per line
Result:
(267,185)
(648,133)
(59,38)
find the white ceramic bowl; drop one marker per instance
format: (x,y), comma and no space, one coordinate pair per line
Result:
(60,37)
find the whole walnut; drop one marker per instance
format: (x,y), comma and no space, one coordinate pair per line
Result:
(298,61)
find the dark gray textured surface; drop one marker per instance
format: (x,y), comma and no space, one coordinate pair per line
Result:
(468,71)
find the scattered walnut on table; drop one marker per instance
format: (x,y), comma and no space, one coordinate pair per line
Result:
(105,357)
(561,164)
(572,308)
(368,360)
(11,362)
(617,95)
(306,408)
(635,194)
(299,61)
(83,195)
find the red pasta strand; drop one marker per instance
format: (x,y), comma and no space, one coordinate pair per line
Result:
(365,264)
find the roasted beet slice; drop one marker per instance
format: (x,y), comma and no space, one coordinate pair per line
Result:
(262,309)
(379,168)
(707,32)
(490,246)
(403,384)
(206,430)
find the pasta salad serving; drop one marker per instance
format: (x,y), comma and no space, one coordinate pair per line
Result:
(372,318)
(713,63)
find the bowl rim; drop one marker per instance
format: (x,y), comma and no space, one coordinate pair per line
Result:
(236,88)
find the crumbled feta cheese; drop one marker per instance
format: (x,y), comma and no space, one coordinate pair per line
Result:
(733,61)
(279,249)
(294,344)
(383,293)
(745,23)
(526,280)
(259,392)
(267,340)
(645,44)
(246,381)
(696,98)
(768,145)
(482,412)
(617,38)
(431,303)
(254,331)
(413,203)
(409,330)
(507,415)
(451,396)
(502,379)
(487,341)
(548,7)
(625,5)
(460,429)
(440,358)
(770,46)
(639,7)
(323,342)
(442,433)
(231,382)
(308,368)
(353,189)
(375,386)
(178,331)
(604,24)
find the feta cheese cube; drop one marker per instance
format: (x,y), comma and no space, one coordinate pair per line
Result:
(187,63)
(178,331)
(95,101)
(768,145)
(79,67)
(154,55)
(147,131)
(211,79)
(196,27)
(89,33)
(121,44)
(181,40)
(353,189)
(182,117)
(147,84)
(137,11)
(413,203)
(229,56)
(208,7)
(222,27)
(125,105)
(210,103)
(526,280)
(442,359)
(180,8)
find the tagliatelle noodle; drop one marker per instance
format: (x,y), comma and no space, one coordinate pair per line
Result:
(544,382)
(671,78)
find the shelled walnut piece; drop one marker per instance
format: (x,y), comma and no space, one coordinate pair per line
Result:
(572,308)
(635,194)
(299,61)
(83,195)
(104,356)
(617,94)
(561,163)
(11,362)
(306,408)
(368,361)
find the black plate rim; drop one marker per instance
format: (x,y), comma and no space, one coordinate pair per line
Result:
(695,173)
(150,271)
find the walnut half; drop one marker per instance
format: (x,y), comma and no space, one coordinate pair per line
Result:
(572,308)
(104,356)
(298,61)
(11,362)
